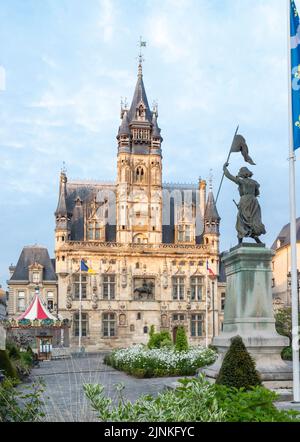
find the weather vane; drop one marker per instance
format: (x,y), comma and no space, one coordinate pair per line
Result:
(142,44)
(211,179)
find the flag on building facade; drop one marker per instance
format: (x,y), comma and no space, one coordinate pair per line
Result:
(295,66)
(85,268)
(211,273)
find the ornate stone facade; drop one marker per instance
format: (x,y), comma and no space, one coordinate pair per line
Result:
(148,243)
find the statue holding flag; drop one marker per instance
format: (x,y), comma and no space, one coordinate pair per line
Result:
(249,223)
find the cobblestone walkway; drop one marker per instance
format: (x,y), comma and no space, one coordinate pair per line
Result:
(64,397)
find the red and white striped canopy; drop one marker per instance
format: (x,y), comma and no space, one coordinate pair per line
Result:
(36,310)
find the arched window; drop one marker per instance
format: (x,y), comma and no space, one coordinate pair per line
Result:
(139,174)
(109,325)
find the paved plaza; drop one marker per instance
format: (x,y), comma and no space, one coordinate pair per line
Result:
(64,397)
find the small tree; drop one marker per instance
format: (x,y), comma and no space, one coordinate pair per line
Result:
(181,343)
(238,369)
(283,318)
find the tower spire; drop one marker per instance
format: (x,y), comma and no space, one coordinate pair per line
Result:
(142,44)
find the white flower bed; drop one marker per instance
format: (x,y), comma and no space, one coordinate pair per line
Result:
(161,362)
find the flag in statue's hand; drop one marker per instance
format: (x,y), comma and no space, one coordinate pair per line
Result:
(239,145)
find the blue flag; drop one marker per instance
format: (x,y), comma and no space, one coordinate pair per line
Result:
(83,266)
(295,64)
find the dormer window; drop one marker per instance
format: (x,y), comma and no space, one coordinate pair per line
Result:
(36,277)
(141,111)
(184,233)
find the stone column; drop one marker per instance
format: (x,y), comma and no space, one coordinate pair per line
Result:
(249,312)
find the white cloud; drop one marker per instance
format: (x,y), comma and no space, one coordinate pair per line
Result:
(107,19)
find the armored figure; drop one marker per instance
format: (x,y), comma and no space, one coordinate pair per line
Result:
(249,223)
(146,288)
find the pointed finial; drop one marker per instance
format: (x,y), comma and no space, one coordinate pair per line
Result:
(210,180)
(64,169)
(155,107)
(142,44)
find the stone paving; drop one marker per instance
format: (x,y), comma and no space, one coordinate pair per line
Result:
(64,397)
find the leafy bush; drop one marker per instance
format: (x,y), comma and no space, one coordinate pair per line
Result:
(287,354)
(181,343)
(20,405)
(238,368)
(21,361)
(158,340)
(254,405)
(141,361)
(195,400)
(13,350)
(6,365)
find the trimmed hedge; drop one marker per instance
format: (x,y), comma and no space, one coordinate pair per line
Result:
(238,368)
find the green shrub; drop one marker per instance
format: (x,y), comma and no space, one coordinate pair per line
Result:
(21,404)
(157,340)
(195,400)
(254,405)
(181,343)
(27,358)
(6,365)
(13,350)
(192,402)
(166,343)
(287,354)
(238,368)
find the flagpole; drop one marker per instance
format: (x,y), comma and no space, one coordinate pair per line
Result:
(293,235)
(80,307)
(237,129)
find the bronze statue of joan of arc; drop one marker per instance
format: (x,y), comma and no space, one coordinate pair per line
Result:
(249,223)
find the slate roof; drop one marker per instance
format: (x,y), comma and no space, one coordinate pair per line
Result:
(124,128)
(138,96)
(211,212)
(284,235)
(80,194)
(30,255)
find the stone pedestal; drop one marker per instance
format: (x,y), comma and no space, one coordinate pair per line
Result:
(249,313)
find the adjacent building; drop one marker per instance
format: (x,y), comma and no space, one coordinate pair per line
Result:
(282,266)
(34,270)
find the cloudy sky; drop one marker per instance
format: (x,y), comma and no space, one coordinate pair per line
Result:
(210,64)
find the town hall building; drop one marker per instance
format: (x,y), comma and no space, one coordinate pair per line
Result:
(152,249)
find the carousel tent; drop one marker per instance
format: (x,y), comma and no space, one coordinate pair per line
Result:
(36,310)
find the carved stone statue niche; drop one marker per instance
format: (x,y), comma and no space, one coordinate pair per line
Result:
(144,291)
